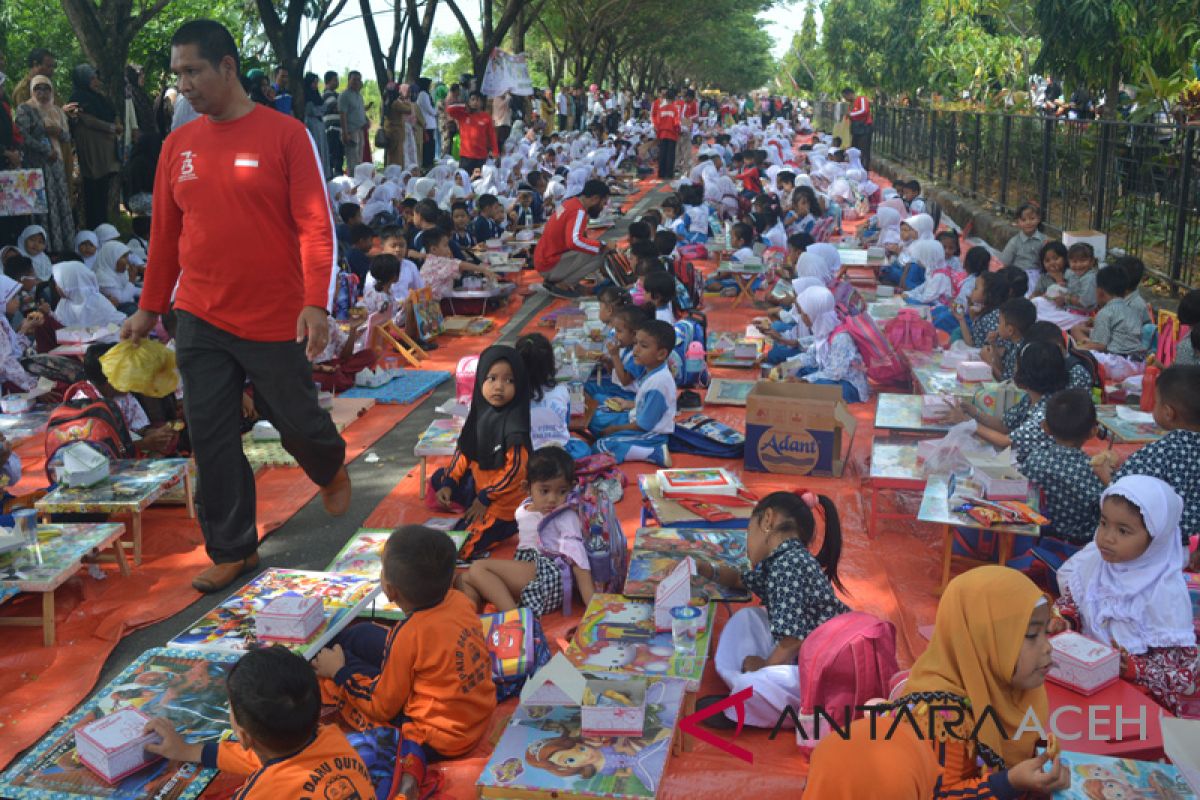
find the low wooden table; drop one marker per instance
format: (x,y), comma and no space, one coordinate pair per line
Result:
(1121,431)
(56,558)
(902,412)
(132,486)
(744,276)
(935,508)
(893,467)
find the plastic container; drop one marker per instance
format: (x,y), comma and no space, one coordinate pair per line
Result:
(1149,387)
(685,623)
(695,357)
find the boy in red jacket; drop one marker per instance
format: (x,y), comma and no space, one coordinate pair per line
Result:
(477,133)
(665,117)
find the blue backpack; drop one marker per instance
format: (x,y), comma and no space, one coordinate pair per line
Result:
(705,436)
(691,328)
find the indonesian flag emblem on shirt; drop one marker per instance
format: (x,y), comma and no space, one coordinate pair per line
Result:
(246,160)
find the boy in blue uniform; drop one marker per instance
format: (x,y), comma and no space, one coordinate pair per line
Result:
(652,421)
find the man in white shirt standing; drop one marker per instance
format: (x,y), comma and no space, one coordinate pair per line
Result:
(564,108)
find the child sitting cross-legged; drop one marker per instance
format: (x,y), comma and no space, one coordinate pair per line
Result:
(274,708)
(487,470)
(637,430)
(430,674)
(1127,588)
(550,409)
(1062,472)
(621,382)
(832,357)
(758,646)
(549,529)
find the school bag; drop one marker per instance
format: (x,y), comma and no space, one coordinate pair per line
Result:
(517,646)
(847,299)
(689,285)
(600,470)
(845,662)
(93,419)
(606,545)
(345,294)
(704,436)
(691,328)
(882,364)
(907,332)
(688,252)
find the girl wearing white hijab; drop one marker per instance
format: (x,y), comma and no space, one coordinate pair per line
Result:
(791,331)
(86,245)
(35,250)
(106,233)
(937,287)
(112,276)
(1127,587)
(832,357)
(82,305)
(830,258)
(13,345)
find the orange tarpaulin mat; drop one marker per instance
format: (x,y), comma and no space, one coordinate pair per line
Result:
(39,685)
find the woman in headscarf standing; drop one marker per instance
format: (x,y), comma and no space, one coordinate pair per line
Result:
(314,120)
(96,133)
(44,129)
(405,125)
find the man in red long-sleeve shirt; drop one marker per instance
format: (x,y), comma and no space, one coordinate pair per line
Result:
(861,124)
(242,235)
(665,118)
(565,255)
(477,133)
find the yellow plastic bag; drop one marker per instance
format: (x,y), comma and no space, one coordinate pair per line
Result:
(146,368)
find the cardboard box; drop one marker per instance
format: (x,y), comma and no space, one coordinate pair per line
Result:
(1082,664)
(290,618)
(935,408)
(1096,239)
(798,428)
(114,746)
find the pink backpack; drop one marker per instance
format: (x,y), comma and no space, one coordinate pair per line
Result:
(882,363)
(909,333)
(464,378)
(844,663)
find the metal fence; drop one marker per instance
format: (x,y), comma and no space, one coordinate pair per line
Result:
(1138,183)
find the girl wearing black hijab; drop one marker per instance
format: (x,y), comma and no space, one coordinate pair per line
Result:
(95,131)
(487,474)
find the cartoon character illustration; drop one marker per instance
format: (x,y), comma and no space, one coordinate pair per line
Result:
(509,770)
(607,655)
(341,788)
(571,755)
(507,640)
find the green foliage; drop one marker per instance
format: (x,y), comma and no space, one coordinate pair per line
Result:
(448,57)
(27,24)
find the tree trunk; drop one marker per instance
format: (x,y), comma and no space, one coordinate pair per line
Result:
(420,28)
(1112,92)
(373,43)
(518,32)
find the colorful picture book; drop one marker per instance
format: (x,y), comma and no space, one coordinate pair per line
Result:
(428,311)
(543,753)
(697,482)
(617,634)
(656,551)
(230,626)
(1105,777)
(723,392)
(185,686)
(363,556)
(132,485)
(731,350)
(440,438)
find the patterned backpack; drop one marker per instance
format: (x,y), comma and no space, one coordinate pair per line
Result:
(518,648)
(882,363)
(92,419)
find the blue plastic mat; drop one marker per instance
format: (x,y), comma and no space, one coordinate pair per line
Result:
(405,389)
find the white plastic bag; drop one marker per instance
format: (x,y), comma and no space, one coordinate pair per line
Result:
(948,454)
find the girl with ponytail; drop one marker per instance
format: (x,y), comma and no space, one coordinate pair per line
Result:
(759,645)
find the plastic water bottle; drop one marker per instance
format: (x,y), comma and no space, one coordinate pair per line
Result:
(695,358)
(728,235)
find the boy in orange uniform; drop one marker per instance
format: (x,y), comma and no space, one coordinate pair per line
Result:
(431,674)
(274,703)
